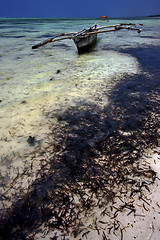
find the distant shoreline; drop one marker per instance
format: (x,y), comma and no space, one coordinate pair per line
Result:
(154,16)
(64,18)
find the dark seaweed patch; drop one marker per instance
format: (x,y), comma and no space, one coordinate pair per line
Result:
(97,152)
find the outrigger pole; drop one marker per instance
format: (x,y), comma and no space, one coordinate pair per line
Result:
(50,40)
(83,33)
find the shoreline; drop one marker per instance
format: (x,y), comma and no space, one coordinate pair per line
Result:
(98,151)
(98,155)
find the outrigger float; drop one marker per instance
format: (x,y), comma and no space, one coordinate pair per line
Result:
(86,38)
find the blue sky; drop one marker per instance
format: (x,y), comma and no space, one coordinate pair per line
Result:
(79,8)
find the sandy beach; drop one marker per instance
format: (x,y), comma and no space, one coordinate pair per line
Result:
(80,134)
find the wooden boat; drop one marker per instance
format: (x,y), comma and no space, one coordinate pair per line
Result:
(86,38)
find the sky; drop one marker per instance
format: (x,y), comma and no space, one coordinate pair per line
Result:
(78,8)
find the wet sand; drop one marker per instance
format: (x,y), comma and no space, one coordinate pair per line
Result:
(74,138)
(97,172)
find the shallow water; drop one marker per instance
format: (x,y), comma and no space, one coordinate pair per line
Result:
(31,89)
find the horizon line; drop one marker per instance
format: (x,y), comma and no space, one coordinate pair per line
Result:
(79,17)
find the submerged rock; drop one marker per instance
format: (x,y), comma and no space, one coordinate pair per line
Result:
(58,71)
(24,102)
(31,140)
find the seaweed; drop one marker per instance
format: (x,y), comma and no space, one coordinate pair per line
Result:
(97,152)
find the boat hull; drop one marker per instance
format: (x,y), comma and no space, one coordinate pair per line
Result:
(86,40)
(86,43)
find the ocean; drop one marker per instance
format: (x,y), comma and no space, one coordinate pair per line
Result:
(36,86)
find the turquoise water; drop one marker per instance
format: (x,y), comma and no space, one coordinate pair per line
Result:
(31,89)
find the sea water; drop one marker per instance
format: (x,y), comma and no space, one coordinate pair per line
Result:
(34,84)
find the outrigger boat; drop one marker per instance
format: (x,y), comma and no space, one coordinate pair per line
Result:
(86,38)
